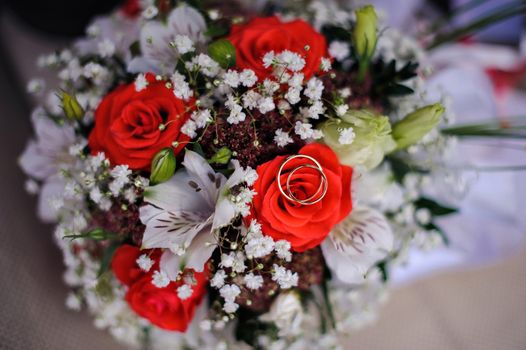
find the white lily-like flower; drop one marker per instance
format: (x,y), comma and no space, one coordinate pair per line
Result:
(44,157)
(184,213)
(158,54)
(357,243)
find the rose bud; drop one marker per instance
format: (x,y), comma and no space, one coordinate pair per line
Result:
(163,166)
(416,125)
(364,37)
(371,142)
(72,108)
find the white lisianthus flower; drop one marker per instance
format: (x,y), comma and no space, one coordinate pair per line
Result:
(357,243)
(286,313)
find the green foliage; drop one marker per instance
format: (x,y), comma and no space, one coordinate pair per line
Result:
(107,256)
(387,80)
(434,207)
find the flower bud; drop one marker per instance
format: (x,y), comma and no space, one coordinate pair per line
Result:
(416,125)
(163,166)
(72,108)
(222,156)
(364,32)
(372,139)
(223,52)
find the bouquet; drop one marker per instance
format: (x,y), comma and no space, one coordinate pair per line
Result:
(227,179)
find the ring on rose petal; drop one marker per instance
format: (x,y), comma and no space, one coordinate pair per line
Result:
(323,186)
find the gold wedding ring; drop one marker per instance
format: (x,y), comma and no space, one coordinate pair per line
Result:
(322,187)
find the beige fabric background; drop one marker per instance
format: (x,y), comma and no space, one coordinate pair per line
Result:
(477,309)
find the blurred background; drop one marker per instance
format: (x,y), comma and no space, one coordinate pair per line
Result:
(471,295)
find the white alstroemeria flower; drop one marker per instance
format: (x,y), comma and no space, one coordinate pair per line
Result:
(44,157)
(357,243)
(118,30)
(158,54)
(184,212)
(286,313)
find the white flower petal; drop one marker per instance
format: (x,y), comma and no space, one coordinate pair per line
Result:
(357,243)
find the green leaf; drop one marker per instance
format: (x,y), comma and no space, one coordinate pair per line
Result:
(223,52)
(432,226)
(196,147)
(135,49)
(434,207)
(216,30)
(107,257)
(97,234)
(502,13)
(398,90)
(382,266)
(103,287)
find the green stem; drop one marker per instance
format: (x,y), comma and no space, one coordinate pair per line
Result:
(363,66)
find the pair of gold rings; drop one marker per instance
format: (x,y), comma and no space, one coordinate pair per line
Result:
(287,193)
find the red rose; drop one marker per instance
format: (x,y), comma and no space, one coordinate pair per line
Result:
(304,226)
(124,263)
(162,306)
(254,39)
(127,124)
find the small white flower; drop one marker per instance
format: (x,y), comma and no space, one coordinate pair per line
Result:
(270,86)
(202,117)
(251,99)
(106,48)
(208,66)
(259,247)
(339,50)
(184,292)
(251,176)
(150,12)
(423,216)
(231,78)
(345,92)
(230,307)
(229,292)
(268,59)
(285,278)
(140,82)
(291,60)
(254,230)
(293,95)
(144,262)
(227,260)
(183,44)
(346,136)
(341,110)
(218,280)
(31,186)
(282,138)
(266,104)
(73,302)
(314,88)
(189,128)
(248,77)
(36,86)
(121,174)
(296,80)
(181,88)
(303,130)
(325,64)
(253,281)
(282,248)
(130,195)
(160,279)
